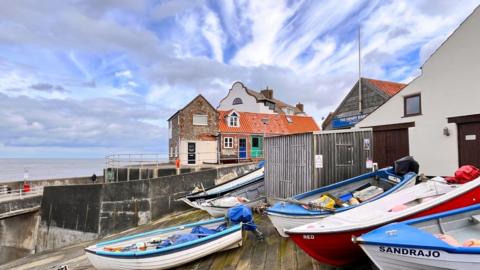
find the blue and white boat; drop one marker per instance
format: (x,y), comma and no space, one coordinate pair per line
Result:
(448,240)
(174,246)
(295,212)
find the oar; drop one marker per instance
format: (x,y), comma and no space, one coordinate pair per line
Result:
(310,205)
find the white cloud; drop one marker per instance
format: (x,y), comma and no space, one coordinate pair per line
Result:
(126,66)
(124,74)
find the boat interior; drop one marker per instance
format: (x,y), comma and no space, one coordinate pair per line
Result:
(354,190)
(461,229)
(160,238)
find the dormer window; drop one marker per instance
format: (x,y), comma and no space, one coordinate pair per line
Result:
(233,120)
(270,105)
(237,101)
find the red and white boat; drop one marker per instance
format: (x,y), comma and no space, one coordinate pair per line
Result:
(330,239)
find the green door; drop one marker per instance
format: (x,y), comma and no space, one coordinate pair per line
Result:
(256,147)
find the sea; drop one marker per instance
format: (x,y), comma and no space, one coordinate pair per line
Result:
(15,169)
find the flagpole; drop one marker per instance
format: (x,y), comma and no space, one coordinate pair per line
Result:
(359,74)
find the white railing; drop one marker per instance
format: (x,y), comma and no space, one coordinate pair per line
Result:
(6,194)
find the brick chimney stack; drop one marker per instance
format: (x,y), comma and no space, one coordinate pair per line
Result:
(299,106)
(268,93)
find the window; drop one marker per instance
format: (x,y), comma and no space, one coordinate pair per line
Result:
(255,142)
(228,142)
(412,105)
(170,152)
(237,101)
(200,120)
(233,120)
(270,105)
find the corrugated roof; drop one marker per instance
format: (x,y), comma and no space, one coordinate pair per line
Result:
(278,124)
(389,88)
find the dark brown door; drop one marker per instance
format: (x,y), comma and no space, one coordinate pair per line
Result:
(469,144)
(389,145)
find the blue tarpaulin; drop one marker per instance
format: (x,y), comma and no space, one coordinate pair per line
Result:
(242,213)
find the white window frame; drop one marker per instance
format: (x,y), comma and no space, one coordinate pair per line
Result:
(227,142)
(234,121)
(200,120)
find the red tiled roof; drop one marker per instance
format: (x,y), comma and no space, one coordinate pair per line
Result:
(278,124)
(389,88)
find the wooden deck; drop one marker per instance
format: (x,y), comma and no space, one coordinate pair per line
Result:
(273,253)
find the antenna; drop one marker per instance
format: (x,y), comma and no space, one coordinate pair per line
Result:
(359,74)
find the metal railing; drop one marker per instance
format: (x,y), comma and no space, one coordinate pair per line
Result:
(150,160)
(6,194)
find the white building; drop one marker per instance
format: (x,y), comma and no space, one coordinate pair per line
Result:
(436,118)
(242,99)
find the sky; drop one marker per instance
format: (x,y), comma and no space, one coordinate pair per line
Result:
(83,79)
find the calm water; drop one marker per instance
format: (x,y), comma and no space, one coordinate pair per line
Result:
(12,169)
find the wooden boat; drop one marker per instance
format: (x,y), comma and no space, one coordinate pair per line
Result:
(448,240)
(287,215)
(250,185)
(329,240)
(150,250)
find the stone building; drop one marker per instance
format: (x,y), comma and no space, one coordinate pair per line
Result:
(192,133)
(374,94)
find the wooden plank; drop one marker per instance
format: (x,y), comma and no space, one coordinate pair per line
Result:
(287,254)
(303,260)
(257,260)
(247,251)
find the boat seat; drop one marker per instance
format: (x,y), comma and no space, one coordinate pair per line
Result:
(475,219)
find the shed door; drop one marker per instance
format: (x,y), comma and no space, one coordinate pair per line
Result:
(469,144)
(390,145)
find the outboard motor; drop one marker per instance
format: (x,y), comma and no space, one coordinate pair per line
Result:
(243,214)
(405,165)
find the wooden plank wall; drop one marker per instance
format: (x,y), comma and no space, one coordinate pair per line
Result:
(290,160)
(288,165)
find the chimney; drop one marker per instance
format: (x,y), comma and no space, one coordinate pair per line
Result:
(268,93)
(299,106)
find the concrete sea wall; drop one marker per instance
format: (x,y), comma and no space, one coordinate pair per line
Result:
(54,182)
(76,213)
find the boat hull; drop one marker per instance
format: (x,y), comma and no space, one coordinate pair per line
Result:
(401,258)
(168,260)
(337,248)
(285,222)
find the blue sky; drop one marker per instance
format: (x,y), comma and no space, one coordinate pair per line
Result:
(91,78)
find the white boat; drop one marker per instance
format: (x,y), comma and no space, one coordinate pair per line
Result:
(152,250)
(233,187)
(448,240)
(329,240)
(287,215)
(219,207)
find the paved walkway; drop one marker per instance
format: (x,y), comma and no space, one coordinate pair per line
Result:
(272,253)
